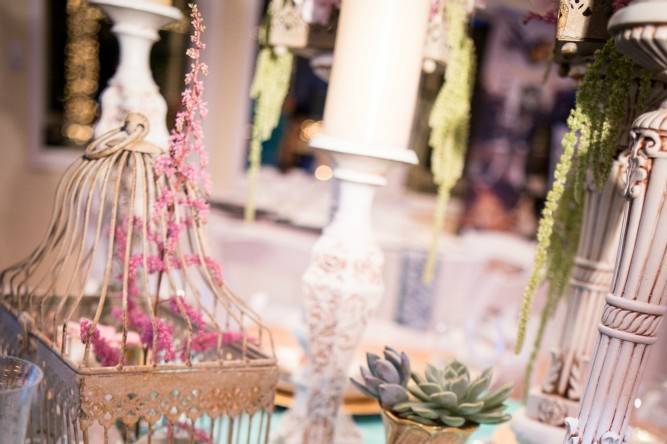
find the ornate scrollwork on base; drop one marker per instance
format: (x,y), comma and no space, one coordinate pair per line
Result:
(639,162)
(342,286)
(551,411)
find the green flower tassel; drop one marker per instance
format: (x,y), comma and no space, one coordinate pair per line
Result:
(589,147)
(273,73)
(450,119)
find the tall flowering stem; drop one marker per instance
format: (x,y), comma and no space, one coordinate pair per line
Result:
(185,165)
(187,136)
(273,72)
(450,118)
(182,180)
(106,354)
(589,148)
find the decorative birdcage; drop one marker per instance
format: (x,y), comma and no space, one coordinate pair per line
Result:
(128,315)
(581,29)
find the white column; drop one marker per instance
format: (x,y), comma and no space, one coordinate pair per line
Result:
(634,309)
(559,395)
(367,122)
(636,305)
(132,88)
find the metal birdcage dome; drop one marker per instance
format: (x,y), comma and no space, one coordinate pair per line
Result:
(127,313)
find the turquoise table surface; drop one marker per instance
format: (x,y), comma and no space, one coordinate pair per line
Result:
(373,431)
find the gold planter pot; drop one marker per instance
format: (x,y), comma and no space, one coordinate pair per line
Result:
(402,431)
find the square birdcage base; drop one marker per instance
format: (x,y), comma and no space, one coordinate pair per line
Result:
(71,400)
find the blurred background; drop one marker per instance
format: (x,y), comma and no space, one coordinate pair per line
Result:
(54,64)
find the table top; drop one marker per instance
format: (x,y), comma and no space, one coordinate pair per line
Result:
(373,430)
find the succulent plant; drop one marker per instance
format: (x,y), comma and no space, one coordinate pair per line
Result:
(449,397)
(386,378)
(442,397)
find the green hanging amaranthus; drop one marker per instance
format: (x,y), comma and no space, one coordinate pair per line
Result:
(450,118)
(273,72)
(590,145)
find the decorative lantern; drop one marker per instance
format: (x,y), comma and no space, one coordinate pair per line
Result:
(189,358)
(581,30)
(291,27)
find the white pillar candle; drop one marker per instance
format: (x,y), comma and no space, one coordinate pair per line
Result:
(375,74)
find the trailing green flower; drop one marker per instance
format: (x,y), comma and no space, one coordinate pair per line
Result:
(589,148)
(273,72)
(450,118)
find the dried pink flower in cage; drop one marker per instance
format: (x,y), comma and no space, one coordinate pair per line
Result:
(206,340)
(199,436)
(193,315)
(184,167)
(106,355)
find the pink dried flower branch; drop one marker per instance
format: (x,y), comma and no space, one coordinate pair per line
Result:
(194,316)
(184,167)
(105,354)
(199,436)
(187,137)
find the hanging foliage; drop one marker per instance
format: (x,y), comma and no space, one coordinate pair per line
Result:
(589,147)
(273,72)
(450,118)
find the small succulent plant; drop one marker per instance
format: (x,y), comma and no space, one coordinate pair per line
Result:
(386,379)
(441,397)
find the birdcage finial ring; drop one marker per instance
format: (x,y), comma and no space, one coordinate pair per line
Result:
(128,136)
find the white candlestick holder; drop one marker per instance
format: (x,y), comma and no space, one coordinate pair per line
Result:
(367,122)
(132,89)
